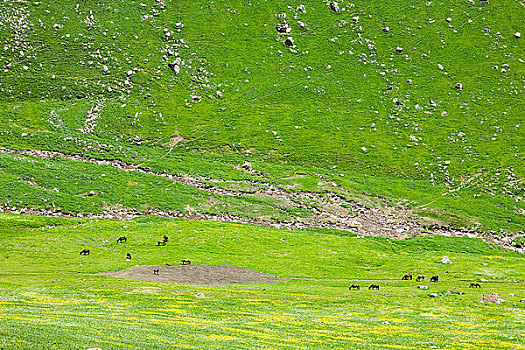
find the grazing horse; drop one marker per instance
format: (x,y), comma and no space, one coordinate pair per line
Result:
(434,278)
(420,278)
(122,239)
(159,243)
(356,286)
(128,256)
(407,277)
(186,261)
(374,286)
(165,238)
(475,285)
(156,272)
(84,252)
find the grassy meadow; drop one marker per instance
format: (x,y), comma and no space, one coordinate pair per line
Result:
(49,298)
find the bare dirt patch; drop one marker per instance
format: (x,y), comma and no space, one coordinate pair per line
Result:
(195,274)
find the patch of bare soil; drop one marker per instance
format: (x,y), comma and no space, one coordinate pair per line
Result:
(195,274)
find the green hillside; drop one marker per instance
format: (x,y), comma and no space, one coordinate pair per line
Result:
(368,93)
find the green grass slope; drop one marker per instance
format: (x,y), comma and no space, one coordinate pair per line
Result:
(182,86)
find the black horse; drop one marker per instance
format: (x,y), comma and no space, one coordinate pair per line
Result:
(122,239)
(407,277)
(128,256)
(420,278)
(475,285)
(434,278)
(354,286)
(156,272)
(84,252)
(374,286)
(186,262)
(165,238)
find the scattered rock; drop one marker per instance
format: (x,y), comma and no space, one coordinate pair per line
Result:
(283,27)
(433,295)
(81,95)
(289,42)
(247,166)
(399,49)
(386,30)
(517,35)
(446,260)
(200,295)
(334,6)
(492,298)
(423,287)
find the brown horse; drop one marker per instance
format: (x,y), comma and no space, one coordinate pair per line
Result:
(420,278)
(434,278)
(354,286)
(407,277)
(128,256)
(374,286)
(475,285)
(165,238)
(159,243)
(122,239)
(186,261)
(84,252)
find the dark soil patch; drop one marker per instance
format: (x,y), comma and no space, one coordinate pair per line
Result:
(195,274)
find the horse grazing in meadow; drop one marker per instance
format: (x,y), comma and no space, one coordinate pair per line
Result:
(122,239)
(159,243)
(128,256)
(434,278)
(186,261)
(374,286)
(84,252)
(475,285)
(420,278)
(354,286)
(407,277)
(165,238)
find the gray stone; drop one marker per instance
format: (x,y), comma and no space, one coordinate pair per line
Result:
(446,260)
(334,6)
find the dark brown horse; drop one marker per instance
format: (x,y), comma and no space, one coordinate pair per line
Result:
(122,239)
(159,243)
(374,286)
(434,278)
(84,252)
(420,278)
(475,285)
(128,256)
(165,238)
(407,277)
(354,286)
(186,261)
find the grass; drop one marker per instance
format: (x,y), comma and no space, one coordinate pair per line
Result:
(49,302)
(324,116)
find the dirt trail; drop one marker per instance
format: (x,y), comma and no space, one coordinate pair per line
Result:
(328,208)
